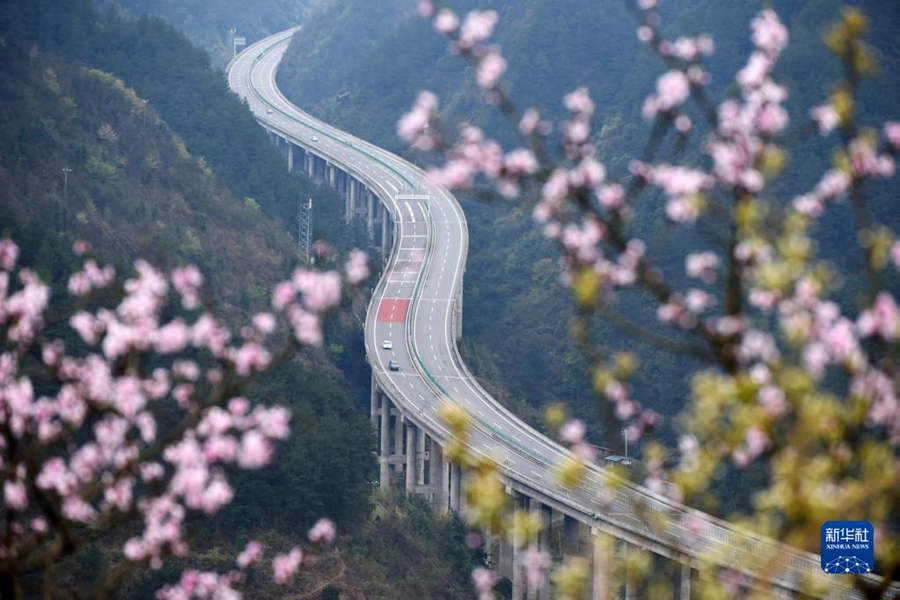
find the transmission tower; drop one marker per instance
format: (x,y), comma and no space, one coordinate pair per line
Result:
(304,231)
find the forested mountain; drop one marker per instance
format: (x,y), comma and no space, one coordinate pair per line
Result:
(119,132)
(553,48)
(207,22)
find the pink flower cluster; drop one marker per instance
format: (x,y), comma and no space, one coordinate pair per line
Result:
(92,438)
(470,39)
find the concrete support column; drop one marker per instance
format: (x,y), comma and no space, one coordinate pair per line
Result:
(420,458)
(685,591)
(332,176)
(398,439)
(569,545)
(518,576)
(370,217)
(411,457)
(373,402)
(437,477)
(544,545)
(384,467)
(601,573)
(355,198)
(290,157)
(385,234)
(309,165)
(350,204)
(506,559)
(455,474)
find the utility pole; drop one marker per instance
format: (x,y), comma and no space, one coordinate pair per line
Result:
(66,171)
(304,231)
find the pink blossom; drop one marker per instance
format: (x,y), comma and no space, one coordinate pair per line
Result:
(251,554)
(264,322)
(172,337)
(283,295)
(285,566)
(881,319)
(826,118)
(446,21)
(484,580)
(490,68)
(529,121)
(413,126)
(255,452)
(535,563)
(572,431)
(15,495)
(833,184)
(357,267)
(702,265)
(579,101)
(644,34)
(425,8)
(769,34)
(81,247)
(584,452)
(892,132)
(477,27)
(323,532)
(756,71)
(773,401)
(647,4)
(9,253)
(672,89)
(187,281)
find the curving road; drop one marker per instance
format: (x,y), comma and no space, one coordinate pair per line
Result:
(414,307)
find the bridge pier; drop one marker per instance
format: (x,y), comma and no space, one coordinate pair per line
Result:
(290,157)
(437,477)
(373,403)
(384,464)
(684,584)
(411,457)
(397,455)
(370,217)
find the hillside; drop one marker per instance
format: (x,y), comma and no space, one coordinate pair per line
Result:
(207,22)
(134,186)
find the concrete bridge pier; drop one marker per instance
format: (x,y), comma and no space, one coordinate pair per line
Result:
(350,204)
(411,457)
(385,235)
(684,583)
(437,477)
(384,471)
(309,166)
(370,217)
(521,503)
(601,583)
(290,156)
(373,403)
(420,458)
(397,456)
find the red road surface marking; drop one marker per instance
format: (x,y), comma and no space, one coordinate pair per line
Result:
(393,310)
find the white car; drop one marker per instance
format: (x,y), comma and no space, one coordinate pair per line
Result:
(315,138)
(268,111)
(387,344)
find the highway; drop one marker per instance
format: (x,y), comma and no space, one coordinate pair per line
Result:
(414,307)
